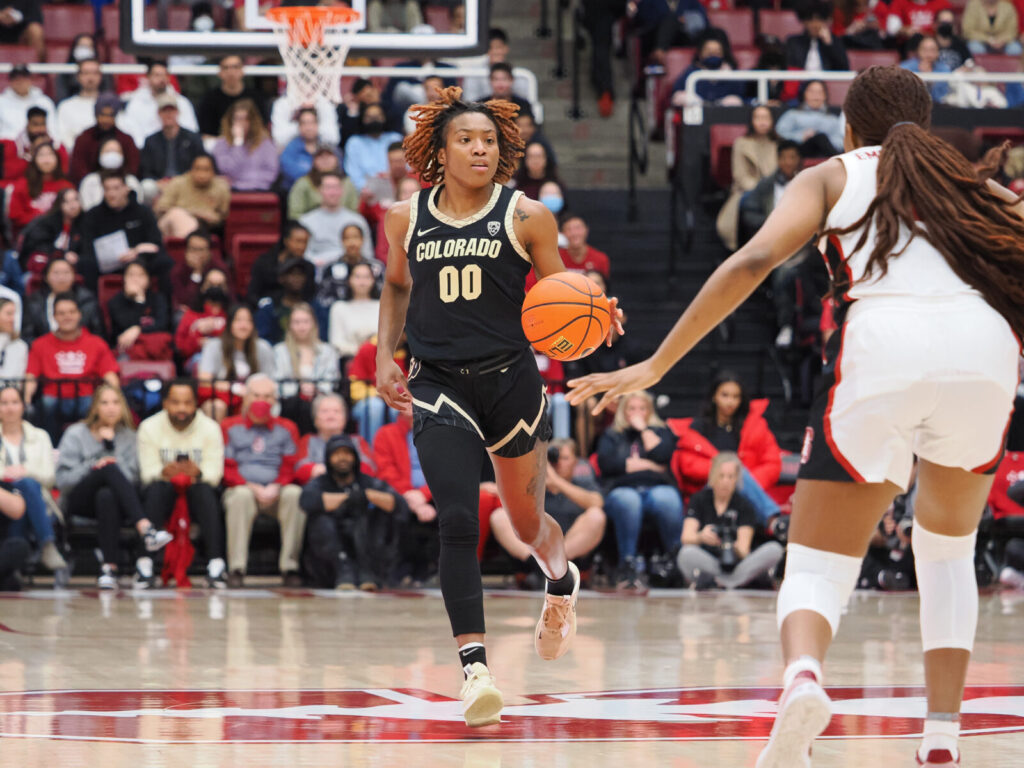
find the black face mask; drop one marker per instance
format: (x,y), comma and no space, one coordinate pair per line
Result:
(374,127)
(946,30)
(215,295)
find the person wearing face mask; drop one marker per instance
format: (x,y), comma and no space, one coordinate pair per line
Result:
(352,528)
(550,196)
(711,55)
(366,153)
(206,320)
(111,158)
(953,50)
(85,155)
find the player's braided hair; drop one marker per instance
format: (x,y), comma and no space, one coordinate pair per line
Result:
(432,120)
(930,188)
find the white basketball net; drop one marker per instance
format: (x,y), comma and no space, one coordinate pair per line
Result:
(314,53)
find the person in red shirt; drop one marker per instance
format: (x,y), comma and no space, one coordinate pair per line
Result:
(580,256)
(916,17)
(34,193)
(367,408)
(18,152)
(205,322)
(69,360)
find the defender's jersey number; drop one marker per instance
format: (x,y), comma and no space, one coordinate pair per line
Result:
(466,283)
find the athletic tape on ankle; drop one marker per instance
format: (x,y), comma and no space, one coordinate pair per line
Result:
(818,581)
(947,587)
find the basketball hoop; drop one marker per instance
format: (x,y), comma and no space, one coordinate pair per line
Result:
(314,43)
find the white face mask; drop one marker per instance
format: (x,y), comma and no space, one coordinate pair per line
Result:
(83,52)
(111,160)
(203,24)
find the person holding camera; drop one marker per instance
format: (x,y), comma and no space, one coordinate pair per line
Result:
(350,542)
(718,532)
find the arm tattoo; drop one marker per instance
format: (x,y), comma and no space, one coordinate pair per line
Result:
(523,215)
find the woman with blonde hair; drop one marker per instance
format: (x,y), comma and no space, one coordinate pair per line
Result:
(98,474)
(634,456)
(304,366)
(227,360)
(718,532)
(245,154)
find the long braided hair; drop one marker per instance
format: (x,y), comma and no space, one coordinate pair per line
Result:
(927,186)
(432,120)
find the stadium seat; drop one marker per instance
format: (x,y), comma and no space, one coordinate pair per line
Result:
(179,17)
(245,249)
(437,17)
(110,20)
(994,135)
(863,59)
(746,58)
(107,287)
(997,62)
(780,24)
(252,213)
(837,92)
(57,53)
(18,54)
(147,369)
(62,23)
(722,137)
(676,62)
(738,25)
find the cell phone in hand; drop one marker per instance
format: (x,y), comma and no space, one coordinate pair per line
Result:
(182,457)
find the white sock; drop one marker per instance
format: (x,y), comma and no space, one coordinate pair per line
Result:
(803,664)
(940,734)
(215,567)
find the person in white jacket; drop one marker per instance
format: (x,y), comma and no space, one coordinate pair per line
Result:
(77,113)
(16,100)
(140,119)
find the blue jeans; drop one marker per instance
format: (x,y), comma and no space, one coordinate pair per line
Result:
(58,411)
(560,416)
(35,515)
(626,508)
(372,414)
(764,505)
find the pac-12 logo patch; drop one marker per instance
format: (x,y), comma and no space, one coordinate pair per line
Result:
(561,346)
(805,452)
(493,227)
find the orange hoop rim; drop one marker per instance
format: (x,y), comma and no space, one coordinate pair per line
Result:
(305,23)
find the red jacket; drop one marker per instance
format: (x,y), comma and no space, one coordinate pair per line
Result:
(279,432)
(24,208)
(691,462)
(16,155)
(188,340)
(391,452)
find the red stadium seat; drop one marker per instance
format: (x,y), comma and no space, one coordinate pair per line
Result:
(997,135)
(256,213)
(437,17)
(997,62)
(863,59)
(676,62)
(110,20)
(57,54)
(62,23)
(746,58)
(179,17)
(738,25)
(780,24)
(147,369)
(245,249)
(837,92)
(107,287)
(722,137)
(18,54)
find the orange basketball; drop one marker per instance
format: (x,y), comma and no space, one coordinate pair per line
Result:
(565,316)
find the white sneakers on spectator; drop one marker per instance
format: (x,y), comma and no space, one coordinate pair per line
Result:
(1011,577)
(156,540)
(785,337)
(144,578)
(108,578)
(217,574)
(51,558)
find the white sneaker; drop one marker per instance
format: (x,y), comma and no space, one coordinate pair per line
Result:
(785,337)
(481,699)
(217,574)
(156,540)
(804,712)
(143,574)
(107,578)
(557,625)
(1011,577)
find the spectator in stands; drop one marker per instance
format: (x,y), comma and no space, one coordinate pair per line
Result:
(13,350)
(1015,91)
(205,320)
(229,359)
(17,98)
(860,24)
(21,23)
(330,418)
(432,87)
(754,157)
(140,321)
(284,121)
(350,514)
(198,198)
(658,27)
(550,196)
(168,152)
(245,154)
(953,50)
(398,15)
(991,26)
(599,18)
(182,448)
(58,279)
(85,155)
(407,187)
(274,310)
(501,81)
(304,195)
(579,255)
(380,191)
(68,360)
(367,407)
(530,132)
(818,132)
(711,55)
(762,199)
(326,223)
(718,533)
(353,322)
(259,471)
(83,48)
(634,456)
(729,421)
(913,17)
(535,168)
(925,60)
(816,49)
(476,87)
(77,113)
(57,233)
(301,147)
(34,194)
(121,221)
(218,101)
(14,549)
(17,153)
(333,285)
(97,474)
(263,278)
(366,153)
(27,467)
(111,158)
(139,119)
(188,276)
(363,94)
(304,366)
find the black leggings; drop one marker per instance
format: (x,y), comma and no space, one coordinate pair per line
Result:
(160,496)
(14,552)
(452,459)
(107,495)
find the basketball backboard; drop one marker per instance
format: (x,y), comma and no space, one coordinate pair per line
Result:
(141,32)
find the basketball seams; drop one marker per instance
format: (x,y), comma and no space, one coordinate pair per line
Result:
(556,279)
(576,319)
(568,304)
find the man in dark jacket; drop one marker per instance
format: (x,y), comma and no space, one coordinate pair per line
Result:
(815,49)
(351,528)
(85,155)
(170,151)
(121,222)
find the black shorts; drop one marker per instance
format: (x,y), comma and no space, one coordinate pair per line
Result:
(501,399)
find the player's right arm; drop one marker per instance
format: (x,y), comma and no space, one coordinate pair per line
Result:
(394,304)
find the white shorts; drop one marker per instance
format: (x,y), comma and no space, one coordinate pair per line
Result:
(905,376)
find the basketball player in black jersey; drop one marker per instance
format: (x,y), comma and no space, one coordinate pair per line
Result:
(458,257)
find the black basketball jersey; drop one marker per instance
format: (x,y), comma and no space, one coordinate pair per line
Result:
(468,279)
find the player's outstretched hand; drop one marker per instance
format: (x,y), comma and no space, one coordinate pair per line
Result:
(615,384)
(393,387)
(616,315)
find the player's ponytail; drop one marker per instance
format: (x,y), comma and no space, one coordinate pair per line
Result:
(930,188)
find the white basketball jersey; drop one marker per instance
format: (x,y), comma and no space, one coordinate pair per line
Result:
(919,271)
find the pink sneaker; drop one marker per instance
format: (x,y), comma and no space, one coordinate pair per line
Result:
(804,712)
(939,758)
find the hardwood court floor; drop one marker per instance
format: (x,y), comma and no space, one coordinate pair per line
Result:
(274,678)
